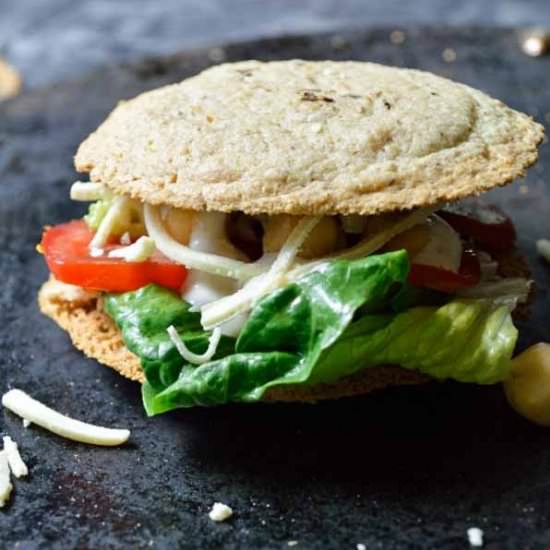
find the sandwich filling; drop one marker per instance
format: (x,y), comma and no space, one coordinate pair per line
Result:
(220,307)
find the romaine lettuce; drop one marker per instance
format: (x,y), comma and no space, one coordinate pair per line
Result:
(330,323)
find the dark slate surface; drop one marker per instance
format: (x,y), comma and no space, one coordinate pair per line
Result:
(407,468)
(56,39)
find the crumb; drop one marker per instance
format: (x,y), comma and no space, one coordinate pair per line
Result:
(217,55)
(475,537)
(397,37)
(448,55)
(220,512)
(292,543)
(361,547)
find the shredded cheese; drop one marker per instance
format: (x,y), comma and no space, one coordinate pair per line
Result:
(513,290)
(96,252)
(220,512)
(17,466)
(26,407)
(187,354)
(125,239)
(223,310)
(5,482)
(194,259)
(87,191)
(117,210)
(139,251)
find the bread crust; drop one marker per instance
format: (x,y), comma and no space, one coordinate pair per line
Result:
(303,137)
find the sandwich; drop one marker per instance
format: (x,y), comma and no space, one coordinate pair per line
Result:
(294,231)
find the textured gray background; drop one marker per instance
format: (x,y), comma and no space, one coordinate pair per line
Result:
(49,40)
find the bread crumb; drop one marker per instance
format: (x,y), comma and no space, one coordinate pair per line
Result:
(220,512)
(396,37)
(217,55)
(361,546)
(448,55)
(475,537)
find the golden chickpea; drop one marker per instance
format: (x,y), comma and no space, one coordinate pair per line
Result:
(528,387)
(179,224)
(324,239)
(413,240)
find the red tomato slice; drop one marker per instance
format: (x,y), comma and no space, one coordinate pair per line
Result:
(436,278)
(485,224)
(66,251)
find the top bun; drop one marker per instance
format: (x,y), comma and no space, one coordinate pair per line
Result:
(304,137)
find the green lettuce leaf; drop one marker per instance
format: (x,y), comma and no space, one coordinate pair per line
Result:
(143,317)
(96,213)
(332,322)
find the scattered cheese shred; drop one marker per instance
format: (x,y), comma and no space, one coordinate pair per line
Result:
(116,211)
(5,482)
(226,308)
(25,406)
(87,191)
(187,354)
(17,466)
(96,252)
(543,248)
(220,512)
(139,251)
(194,259)
(475,537)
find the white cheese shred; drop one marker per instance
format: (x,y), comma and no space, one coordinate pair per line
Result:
(87,191)
(116,211)
(543,248)
(475,537)
(194,259)
(125,239)
(5,482)
(139,251)
(187,354)
(25,406)
(17,466)
(220,512)
(221,311)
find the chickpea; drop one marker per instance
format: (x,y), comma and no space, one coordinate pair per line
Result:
(528,387)
(413,240)
(179,224)
(325,238)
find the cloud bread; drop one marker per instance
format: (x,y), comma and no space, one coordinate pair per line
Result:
(302,137)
